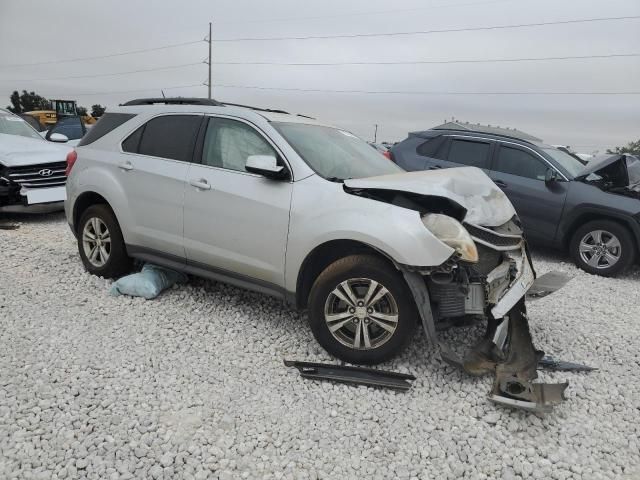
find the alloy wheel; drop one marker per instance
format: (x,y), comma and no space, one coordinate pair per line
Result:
(600,249)
(96,242)
(361,313)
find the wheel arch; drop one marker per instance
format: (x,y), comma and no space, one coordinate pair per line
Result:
(589,215)
(324,255)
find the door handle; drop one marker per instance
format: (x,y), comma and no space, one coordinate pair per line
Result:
(125,166)
(500,183)
(201,184)
(435,167)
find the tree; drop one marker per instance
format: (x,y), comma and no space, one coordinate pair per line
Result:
(632,148)
(15,101)
(28,101)
(97,110)
(82,111)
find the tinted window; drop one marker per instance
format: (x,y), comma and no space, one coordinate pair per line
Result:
(170,136)
(518,162)
(430,147)
(228,144)
(107,122)
(465,152)
(70,127)
(132,142)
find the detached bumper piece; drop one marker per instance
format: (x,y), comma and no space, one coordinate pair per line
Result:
(513,385)
(352,375)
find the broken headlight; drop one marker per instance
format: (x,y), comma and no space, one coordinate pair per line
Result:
(451,232)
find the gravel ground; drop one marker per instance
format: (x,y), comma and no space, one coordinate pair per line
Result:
(191,385)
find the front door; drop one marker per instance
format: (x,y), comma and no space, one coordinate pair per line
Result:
(235,222)
(520,174)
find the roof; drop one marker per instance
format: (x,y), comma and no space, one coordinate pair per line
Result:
(495,130)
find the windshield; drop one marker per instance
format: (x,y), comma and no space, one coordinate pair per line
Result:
(571,164)
(335,154)
(13,125)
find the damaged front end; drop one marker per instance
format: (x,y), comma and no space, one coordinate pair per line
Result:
(618,174)
(486,279)
(493,290)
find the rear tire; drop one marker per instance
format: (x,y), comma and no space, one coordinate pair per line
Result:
(361,310)
(602,247)
(101,244)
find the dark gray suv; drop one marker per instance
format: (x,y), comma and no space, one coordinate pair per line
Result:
(592,210)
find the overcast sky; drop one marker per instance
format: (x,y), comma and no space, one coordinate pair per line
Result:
(45,31)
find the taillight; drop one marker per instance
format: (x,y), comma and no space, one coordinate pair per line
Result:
(72,156)
(388,155)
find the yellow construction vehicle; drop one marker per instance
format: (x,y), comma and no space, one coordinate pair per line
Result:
(59,109)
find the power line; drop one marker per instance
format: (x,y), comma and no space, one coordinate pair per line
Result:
(82,59)
(424,62)
(358,14)
(425,32)
(402,92)
(117,92)
(155,69)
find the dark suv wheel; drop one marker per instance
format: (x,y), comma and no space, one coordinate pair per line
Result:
(602,247)
(101,244)
(361,310)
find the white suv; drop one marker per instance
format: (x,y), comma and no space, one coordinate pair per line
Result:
(287,206)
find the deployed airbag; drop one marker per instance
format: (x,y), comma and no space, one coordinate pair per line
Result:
(148,283)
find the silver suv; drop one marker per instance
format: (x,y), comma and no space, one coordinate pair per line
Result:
(287,206)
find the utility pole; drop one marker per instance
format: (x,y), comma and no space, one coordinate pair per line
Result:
(375,134)
(209,84)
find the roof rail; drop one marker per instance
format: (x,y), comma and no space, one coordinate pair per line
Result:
(270,110)
(479,132)
(173,101)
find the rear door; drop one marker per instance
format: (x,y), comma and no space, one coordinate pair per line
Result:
(153,169)
(235,222)
(520,173)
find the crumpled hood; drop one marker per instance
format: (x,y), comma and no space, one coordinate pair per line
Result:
(613,171)
(469,187)
(17,151)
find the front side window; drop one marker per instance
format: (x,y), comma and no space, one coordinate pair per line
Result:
(228,144)
(170,136)
(14,125)
(518,162)
(335,154)
(470,153)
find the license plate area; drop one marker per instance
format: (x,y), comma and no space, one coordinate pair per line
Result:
(45,195)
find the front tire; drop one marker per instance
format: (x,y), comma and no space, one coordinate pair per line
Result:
(602,247)
(361,310)
(101,244)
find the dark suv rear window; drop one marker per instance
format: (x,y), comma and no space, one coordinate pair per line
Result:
(107,123)
(430,147)
(168,136)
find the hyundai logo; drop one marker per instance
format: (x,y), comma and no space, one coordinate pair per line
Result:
(45,172)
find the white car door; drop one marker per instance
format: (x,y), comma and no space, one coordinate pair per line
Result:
(235,222)
(153,170)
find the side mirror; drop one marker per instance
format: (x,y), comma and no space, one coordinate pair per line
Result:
(265,165)
(58,138)
(551,176)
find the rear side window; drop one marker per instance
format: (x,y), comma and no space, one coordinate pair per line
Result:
(170,136)
(107,123)
(466,152)
(132,142)
(518,162)
(430,147)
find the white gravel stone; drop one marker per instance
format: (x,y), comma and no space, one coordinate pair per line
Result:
(191,385)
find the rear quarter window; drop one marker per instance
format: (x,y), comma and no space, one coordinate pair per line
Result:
(107,123)
(430,147)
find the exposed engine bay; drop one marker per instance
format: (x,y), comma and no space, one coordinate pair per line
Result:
(618,174)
